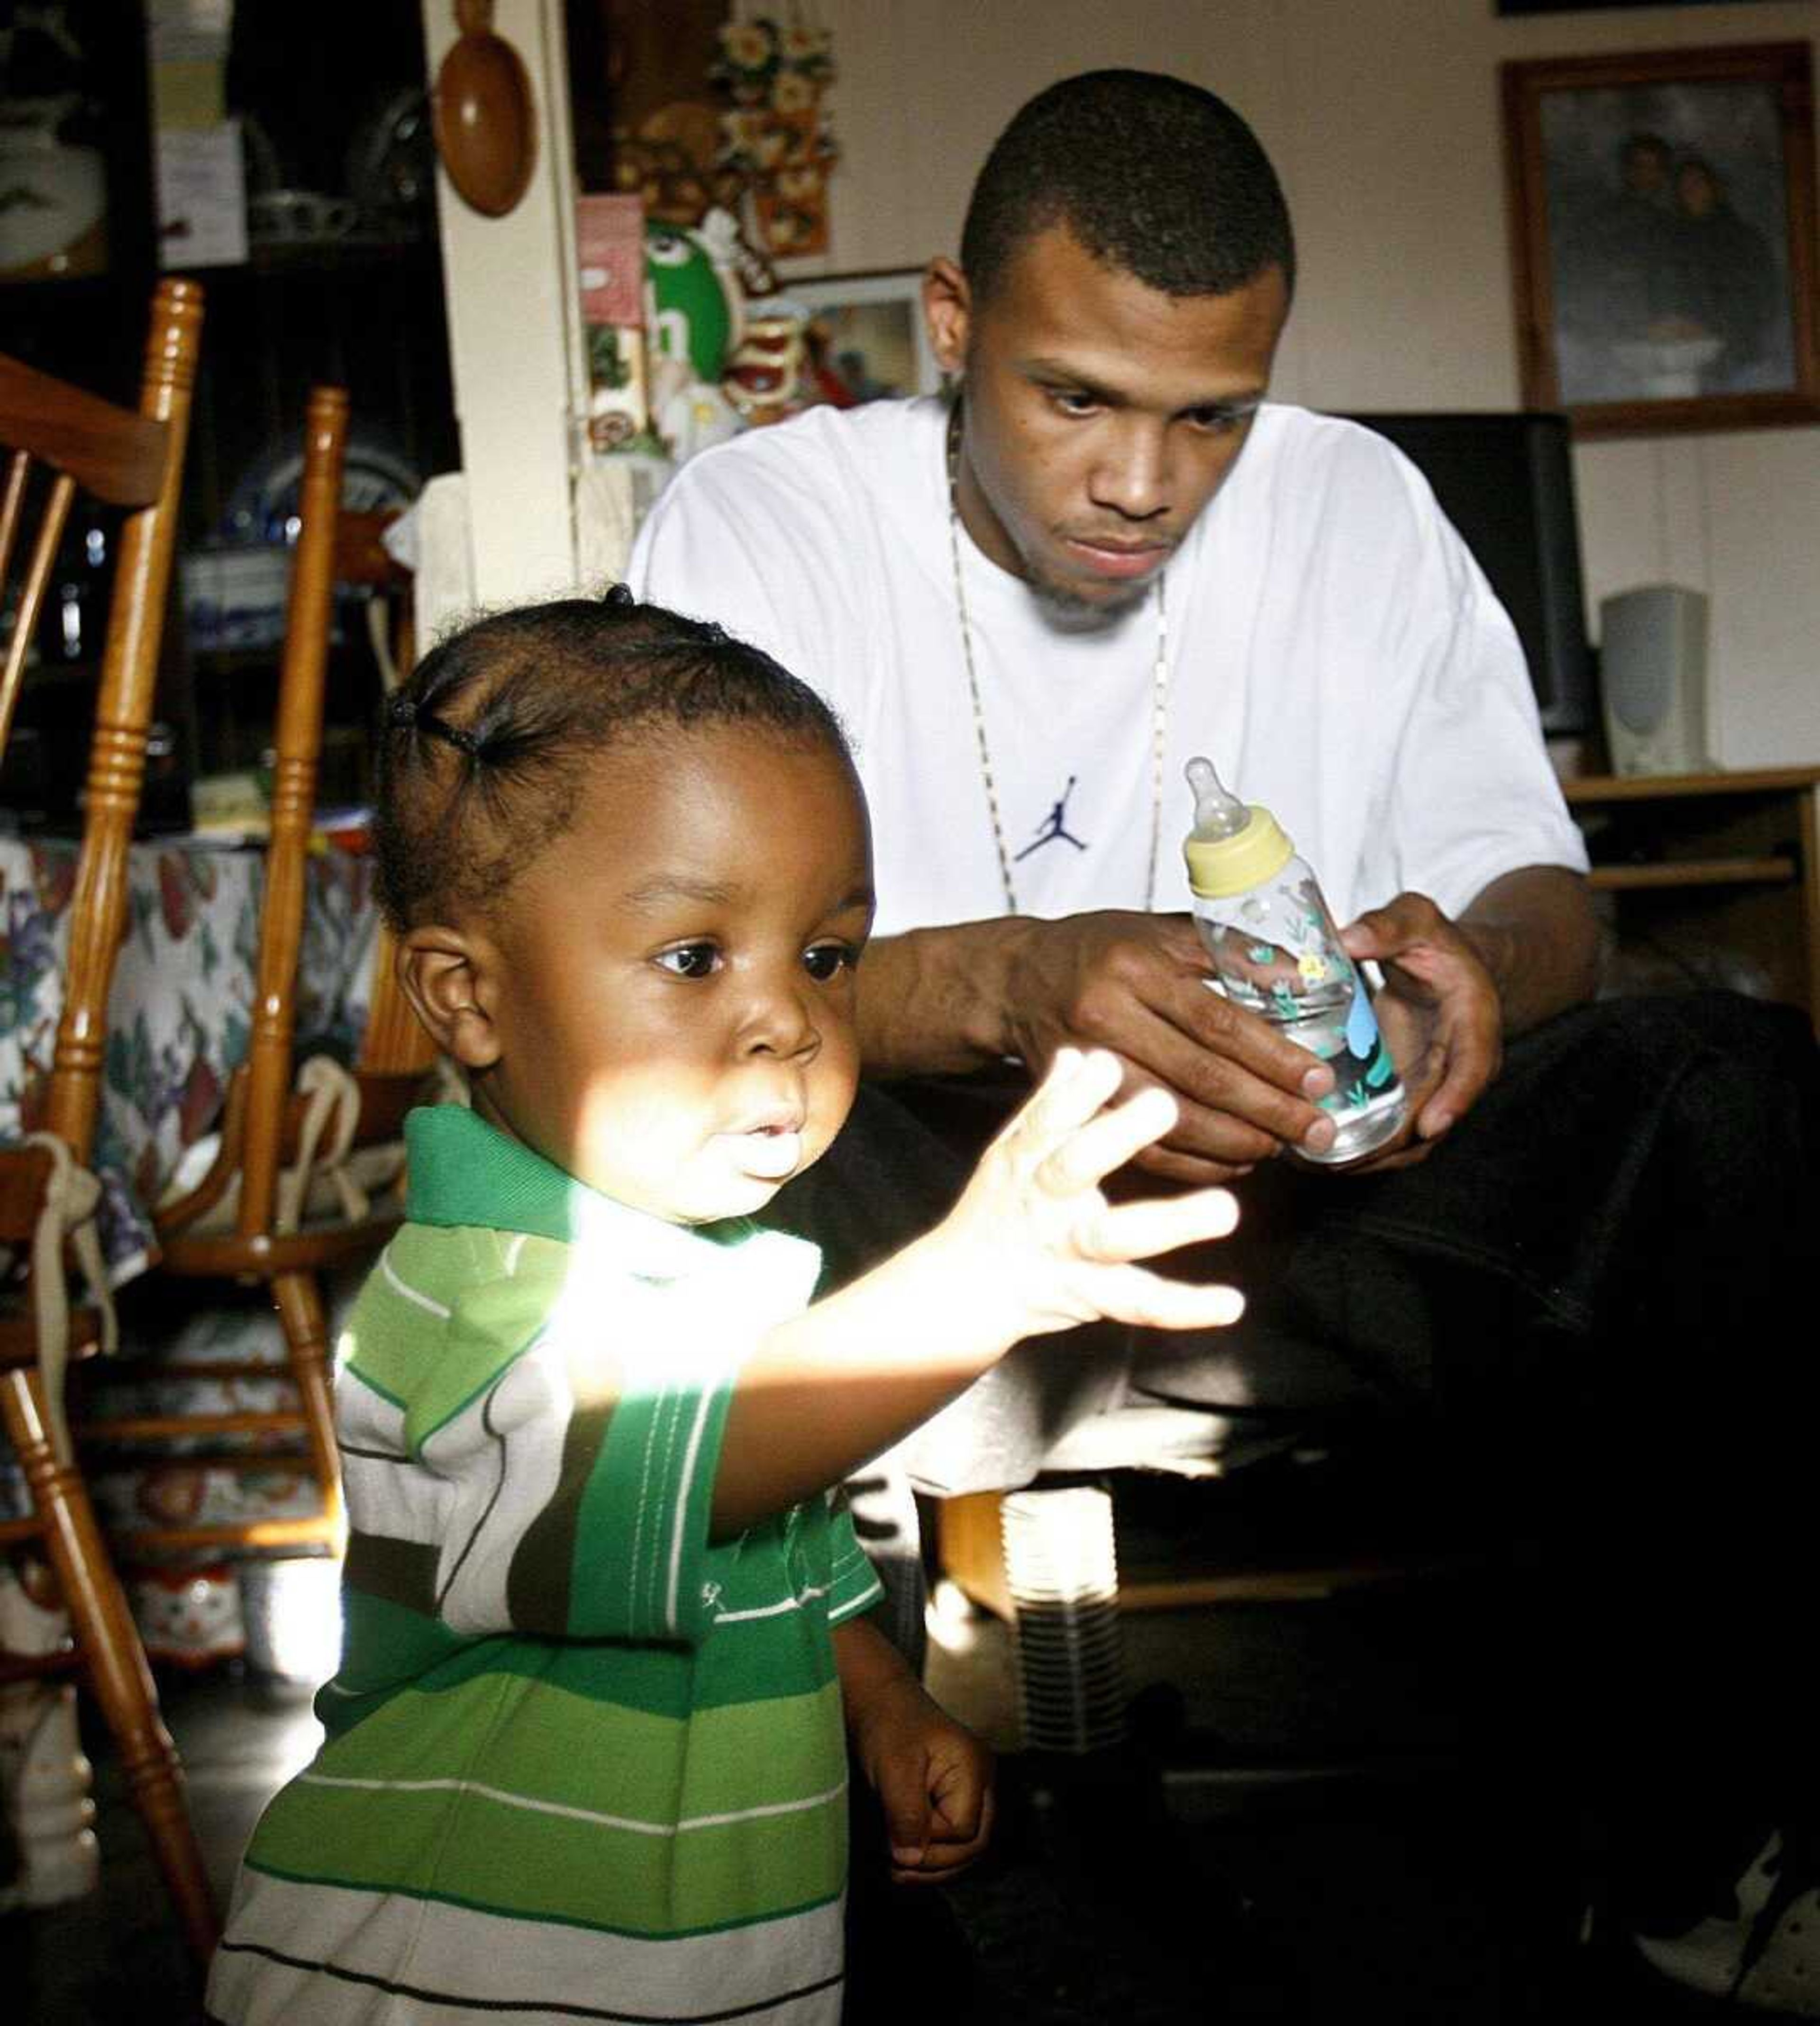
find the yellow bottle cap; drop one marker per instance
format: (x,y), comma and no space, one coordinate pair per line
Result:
(1219,866)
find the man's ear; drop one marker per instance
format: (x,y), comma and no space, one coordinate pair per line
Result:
(947,310)
(446,975)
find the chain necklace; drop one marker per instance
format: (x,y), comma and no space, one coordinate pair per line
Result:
(1159,713)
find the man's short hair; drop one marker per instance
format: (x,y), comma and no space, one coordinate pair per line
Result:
(1153,175)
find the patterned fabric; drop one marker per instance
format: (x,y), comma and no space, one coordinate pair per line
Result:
(180,1011)
(579,1762)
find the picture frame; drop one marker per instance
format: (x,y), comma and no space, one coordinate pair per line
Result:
(1593,6)
(875,340)
(1662,227)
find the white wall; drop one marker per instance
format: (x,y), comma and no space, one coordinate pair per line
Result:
(514,332)
(1383,118)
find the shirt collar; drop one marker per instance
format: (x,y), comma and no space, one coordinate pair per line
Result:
(465,1172)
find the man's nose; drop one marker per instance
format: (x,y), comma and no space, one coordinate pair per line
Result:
(1132,475)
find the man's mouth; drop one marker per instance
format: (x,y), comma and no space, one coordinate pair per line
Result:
(1118,562)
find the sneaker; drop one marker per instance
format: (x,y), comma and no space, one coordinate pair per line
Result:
(1764,1954)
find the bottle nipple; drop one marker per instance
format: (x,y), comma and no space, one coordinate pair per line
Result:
(1218,814)
(1231,847)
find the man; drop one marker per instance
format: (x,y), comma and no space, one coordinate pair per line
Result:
(1613,261)
(1112,553)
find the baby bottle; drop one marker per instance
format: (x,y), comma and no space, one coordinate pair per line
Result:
(1276,952)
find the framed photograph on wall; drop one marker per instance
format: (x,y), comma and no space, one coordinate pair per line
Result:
(869,331)
(1662,217)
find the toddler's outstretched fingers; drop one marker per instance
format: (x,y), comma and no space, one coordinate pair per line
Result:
(1074,1087)
(1135,1296)
(1142,1229)
(1094,1148)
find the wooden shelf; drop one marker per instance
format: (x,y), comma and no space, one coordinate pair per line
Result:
(1719,872)
(1666,873)
(1586,789)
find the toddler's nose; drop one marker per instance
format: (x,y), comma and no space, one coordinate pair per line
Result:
(782,1023)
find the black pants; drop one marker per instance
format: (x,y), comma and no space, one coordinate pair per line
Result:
(1590,1301)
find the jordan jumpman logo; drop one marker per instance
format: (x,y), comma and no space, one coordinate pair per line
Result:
(1054,827)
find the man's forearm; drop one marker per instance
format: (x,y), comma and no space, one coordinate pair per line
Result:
(1535,932)
(932,1001)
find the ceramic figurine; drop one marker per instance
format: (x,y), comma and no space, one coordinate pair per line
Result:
(45,1781)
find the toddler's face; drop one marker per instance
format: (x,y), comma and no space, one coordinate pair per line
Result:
(676,1018)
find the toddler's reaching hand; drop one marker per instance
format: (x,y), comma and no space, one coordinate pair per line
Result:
(1049,1250)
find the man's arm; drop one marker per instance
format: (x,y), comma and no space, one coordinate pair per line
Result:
(1536,934)
(956,998)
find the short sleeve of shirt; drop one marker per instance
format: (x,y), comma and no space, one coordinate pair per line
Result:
(1472,794)
(578,1481)
(853,1584)
(580,1477)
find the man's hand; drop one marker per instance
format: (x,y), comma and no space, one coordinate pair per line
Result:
(1440,1014)
(1137,984)
(951,999)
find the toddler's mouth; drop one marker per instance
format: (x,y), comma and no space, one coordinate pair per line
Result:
(768,1146)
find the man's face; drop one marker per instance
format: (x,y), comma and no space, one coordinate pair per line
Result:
(676,1005)
(1645,172)
(1100,415)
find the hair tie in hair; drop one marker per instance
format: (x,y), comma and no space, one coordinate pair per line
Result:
(716,632)
(620,597)
(400,708)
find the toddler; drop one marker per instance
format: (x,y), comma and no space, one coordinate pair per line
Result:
(605,1626)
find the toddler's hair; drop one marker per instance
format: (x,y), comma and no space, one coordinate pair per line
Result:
(481,751)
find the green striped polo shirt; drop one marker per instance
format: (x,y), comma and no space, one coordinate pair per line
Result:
(580,1763)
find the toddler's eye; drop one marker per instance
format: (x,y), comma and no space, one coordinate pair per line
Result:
(824,961)
(690,959)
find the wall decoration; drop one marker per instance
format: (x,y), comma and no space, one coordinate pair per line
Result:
(610,251)
(866,334)
(776,134)
(1662,209)
(646,120)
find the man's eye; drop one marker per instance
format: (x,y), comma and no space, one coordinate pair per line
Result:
(824,961)
(1072,402)
(690,959)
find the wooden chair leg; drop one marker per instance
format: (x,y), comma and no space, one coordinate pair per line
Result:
(113,1657)
(299,1300)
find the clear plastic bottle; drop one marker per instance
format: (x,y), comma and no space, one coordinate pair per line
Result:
(1276,952)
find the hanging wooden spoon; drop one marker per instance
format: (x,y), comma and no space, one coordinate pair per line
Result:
(485,131)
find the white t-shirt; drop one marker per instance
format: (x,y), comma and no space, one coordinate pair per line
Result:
(1333,648)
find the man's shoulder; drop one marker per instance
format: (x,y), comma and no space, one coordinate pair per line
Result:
(1305,437)
(1302,465)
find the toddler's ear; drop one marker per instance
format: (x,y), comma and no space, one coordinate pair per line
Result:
(446,974)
